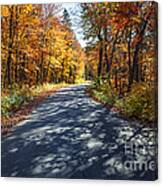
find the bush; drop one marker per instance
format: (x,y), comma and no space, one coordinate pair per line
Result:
(12,100)
(138,103)
(105,93)
(97,82)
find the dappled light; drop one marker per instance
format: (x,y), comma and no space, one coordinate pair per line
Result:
(60,142)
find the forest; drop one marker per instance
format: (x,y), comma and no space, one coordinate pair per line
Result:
(79,90)
(40,51)
(122,56)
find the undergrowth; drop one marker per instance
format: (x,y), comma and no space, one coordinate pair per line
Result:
(139,103)
(11,100)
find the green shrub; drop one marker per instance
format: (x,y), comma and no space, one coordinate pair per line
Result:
(97,83)
(105,93)
(13,101)
(138,103)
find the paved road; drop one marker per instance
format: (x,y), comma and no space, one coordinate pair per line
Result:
(71,136)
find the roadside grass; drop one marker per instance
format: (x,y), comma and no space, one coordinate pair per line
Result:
(11,100)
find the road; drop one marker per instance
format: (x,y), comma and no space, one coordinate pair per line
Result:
(70,135)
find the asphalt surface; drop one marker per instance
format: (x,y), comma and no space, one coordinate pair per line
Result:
(70,135)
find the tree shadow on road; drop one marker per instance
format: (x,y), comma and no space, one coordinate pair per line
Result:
(72,136)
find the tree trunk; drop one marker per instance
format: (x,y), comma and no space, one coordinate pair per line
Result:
(10,46)
(99,68)
(129,60)
(109,64)
(135,67)
(42,68)
(17,49)
(100,59)
(105,50)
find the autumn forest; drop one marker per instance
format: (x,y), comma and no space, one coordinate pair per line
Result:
(39,46)
(81,79)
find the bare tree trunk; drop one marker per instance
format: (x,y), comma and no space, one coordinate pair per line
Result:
(10,46)
(17,48)
(129,60)
(100,59)
(105,49)
(111,55)
(135,67)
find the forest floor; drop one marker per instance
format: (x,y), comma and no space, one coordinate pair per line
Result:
(70,135)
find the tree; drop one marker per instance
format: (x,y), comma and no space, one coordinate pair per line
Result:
(121,32)
(37,47)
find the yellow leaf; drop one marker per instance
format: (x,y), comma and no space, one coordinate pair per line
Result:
(4,11)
